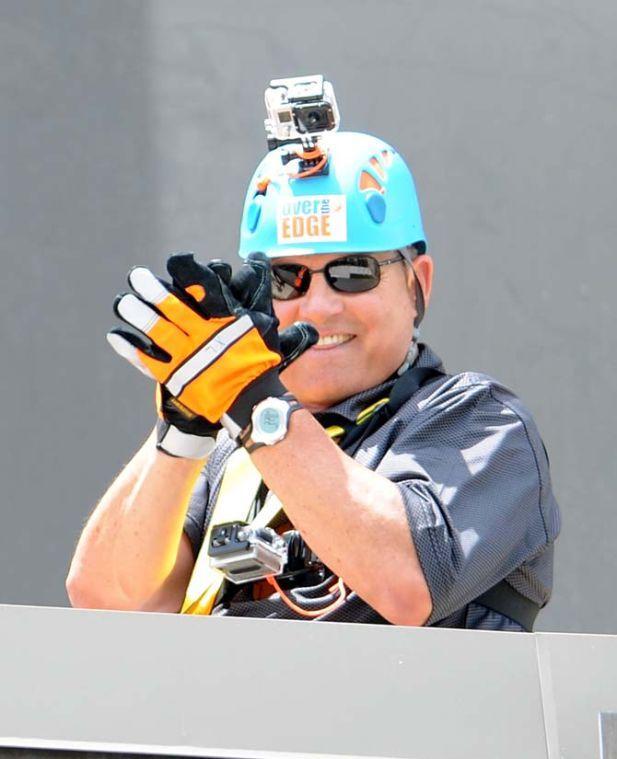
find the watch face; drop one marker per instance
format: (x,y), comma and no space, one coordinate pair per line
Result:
(269,420)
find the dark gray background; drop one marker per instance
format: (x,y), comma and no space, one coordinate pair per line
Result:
(130,129)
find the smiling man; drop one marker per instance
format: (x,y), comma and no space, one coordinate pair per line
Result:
(405,494)
(363,338)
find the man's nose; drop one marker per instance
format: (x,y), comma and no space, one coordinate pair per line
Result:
(320,302)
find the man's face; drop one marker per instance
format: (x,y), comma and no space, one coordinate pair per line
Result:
(364,337)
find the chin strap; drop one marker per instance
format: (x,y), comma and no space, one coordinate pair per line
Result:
(412,354)
(420,305)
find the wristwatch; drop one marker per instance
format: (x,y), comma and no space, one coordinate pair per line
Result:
(269,422)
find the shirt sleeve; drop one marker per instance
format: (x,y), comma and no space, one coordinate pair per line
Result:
(473,474)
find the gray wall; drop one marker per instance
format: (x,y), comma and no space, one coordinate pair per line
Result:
(130,129)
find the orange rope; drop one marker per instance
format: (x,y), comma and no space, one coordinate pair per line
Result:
(312,612)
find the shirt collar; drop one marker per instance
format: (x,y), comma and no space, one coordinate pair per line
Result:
(352,406)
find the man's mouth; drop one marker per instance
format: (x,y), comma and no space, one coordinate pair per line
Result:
(333,341)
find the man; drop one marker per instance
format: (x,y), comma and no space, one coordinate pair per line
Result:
(426,497)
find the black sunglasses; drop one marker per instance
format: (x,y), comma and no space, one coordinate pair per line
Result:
(349,274)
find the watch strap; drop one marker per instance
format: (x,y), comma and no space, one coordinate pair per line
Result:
(245,437)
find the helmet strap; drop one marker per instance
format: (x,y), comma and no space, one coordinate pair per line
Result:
(420,304)
(412,355)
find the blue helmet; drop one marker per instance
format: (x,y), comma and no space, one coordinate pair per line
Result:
(366,202)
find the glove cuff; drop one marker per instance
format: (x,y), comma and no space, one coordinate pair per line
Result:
(174,442)
(238,416)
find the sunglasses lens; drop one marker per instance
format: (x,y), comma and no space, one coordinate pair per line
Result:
(353,274)
(289,281)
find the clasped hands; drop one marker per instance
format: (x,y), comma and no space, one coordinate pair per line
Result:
(211,342)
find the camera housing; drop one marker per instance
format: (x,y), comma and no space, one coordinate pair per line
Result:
(299,109)
(243,553)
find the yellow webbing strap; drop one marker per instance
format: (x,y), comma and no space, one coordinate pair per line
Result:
(370,410)
(239,487)
(238,490)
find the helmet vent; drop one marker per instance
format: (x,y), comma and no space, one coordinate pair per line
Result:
(374,175)
(386,157)
(378,167)
(369,182)
(254,213)
(376,206)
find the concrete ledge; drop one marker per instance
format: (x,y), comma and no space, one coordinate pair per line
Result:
(190,686)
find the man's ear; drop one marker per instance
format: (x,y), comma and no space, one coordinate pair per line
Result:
(423,269)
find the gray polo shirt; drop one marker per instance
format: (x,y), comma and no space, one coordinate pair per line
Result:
(474,477)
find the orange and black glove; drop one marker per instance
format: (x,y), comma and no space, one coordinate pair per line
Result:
(212,356)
